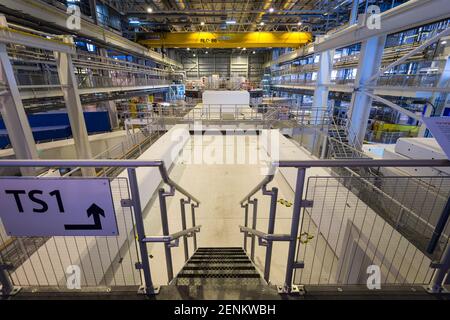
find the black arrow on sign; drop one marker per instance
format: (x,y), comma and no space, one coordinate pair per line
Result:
(95,211)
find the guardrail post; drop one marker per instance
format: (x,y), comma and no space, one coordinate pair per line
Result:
(255,212)
(165,230)
(183,226)
(270,230)
(436,285)
(193,206)
(246,225)
(294,228)
(8,289)
(148,287)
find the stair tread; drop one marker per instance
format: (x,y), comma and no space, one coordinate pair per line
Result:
(222,266)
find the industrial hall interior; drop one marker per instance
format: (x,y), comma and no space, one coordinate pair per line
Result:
(224,150)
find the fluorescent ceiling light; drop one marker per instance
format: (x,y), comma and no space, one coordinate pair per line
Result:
(230,22)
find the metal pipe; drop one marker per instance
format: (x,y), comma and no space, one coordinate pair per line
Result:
(140,230)
(183,226)
(296,213)
(165,229)
(270,230)
(5,281)
(246,225)
(193,224)
(253,243)
(266,236)
(442,222)
(436,285)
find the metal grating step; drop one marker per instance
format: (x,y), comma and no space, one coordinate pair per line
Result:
(208,257)
(219,267)
(217,261)
(254,274)
(223,267)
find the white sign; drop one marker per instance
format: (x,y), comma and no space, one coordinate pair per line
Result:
(57,207)
(440,128)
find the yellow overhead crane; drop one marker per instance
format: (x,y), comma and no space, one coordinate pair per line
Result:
(257,39)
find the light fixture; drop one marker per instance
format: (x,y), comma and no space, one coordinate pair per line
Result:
(188,49)
(244,49)
(299,23)
(206,52)
(202,23)
(444,42)
(254,52)
(194,55)
(271,10)
(149,10)
(261,23)
(230,22)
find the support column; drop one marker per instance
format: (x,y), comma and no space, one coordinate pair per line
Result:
(13,112)
(93,7)
(360,105)
(354,13)
(111,107)
(69,87)
(323,80)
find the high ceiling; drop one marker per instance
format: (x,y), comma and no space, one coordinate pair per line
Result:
(317,16)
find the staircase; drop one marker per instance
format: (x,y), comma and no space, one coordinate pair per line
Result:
(339,144)
(224,267)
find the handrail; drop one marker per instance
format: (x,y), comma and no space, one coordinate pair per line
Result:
(266,236)
(102,163)
(173,236)
(343,163)
(263,184)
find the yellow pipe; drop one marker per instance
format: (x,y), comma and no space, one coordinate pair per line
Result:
(229,40)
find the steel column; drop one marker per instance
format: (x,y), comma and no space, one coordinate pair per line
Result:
(13,112)
(296,213)
(165,229)
(140,230)
(369,64)
(69,87)
(270,230)
(323,81)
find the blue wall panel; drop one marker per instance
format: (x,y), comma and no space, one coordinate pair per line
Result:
(55,126)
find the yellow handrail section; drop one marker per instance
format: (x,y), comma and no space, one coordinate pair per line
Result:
(227,40)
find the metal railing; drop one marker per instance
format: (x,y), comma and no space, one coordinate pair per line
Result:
(131,199)
(309,209)
(303,218)
(269,116)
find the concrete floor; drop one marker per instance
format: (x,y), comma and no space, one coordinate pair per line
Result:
(220,188)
